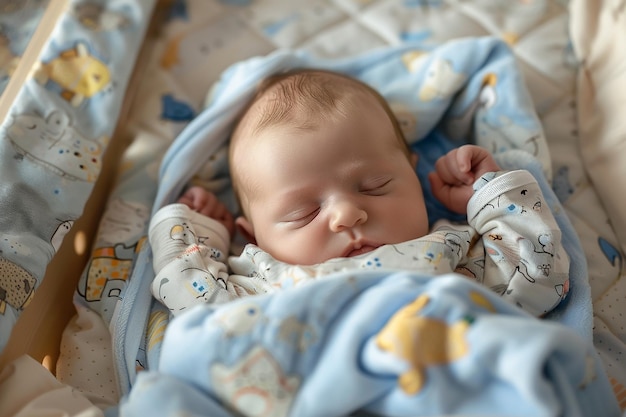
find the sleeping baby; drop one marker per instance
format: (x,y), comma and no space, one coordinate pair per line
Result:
(338,191)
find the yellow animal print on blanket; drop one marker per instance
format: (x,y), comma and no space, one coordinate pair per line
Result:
(79,74)
(421,341)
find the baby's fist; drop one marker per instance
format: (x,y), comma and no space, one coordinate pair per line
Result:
(456,172)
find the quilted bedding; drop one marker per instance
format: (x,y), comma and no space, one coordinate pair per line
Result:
(64,69)
(569,68)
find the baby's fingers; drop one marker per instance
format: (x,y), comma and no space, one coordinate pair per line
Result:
(453,197)
(476,160)
(451,170)
(464,156)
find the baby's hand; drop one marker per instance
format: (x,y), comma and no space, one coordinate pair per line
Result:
(456,172)
(206,203)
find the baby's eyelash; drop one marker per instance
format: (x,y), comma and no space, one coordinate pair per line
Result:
(376,187)
(306,218)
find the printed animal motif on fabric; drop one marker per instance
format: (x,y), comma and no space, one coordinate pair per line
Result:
(96,17)
(17,286)
(498,132)
(241,319)
(189,279)
(454,242)
(295,332)
(256,385)
(413,60)
(59,234)
(495,132)
(422,341)
(15,6)
(109,270)
(176,110)
(55,144)
(620,392)
(112,258)
(474,267)
(459,125)
(8,60)
(536,264)
(77,72)
(18,277)
(611,253)
(184,232)
(482,118)
(441,80)
(531,263)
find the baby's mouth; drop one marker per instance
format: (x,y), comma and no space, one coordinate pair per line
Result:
(360,250)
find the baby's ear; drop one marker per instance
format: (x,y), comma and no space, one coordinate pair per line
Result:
(245,228)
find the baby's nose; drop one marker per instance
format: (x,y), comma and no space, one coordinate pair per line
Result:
(346,215)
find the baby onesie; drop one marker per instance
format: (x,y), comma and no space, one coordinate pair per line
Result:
(511,244)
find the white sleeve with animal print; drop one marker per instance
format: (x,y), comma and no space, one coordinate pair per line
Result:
(524,259)
(189,253)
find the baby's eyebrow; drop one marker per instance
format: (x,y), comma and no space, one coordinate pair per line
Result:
(297,194)
(289,201)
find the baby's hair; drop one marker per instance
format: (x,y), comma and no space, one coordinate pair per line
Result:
(324,94)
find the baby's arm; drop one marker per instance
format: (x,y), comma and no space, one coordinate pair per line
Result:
(190,242)
(525,260)
(455,173)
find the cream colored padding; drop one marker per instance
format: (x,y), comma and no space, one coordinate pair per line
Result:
(598,31)
(35,392)
(86,340)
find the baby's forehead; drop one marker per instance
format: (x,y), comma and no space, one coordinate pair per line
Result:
(304,102)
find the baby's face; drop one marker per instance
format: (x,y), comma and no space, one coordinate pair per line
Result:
(341,190)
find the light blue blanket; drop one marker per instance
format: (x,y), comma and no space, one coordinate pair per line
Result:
(388,344)
(376,343)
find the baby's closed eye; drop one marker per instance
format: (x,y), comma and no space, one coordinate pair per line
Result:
(301,217)
(376,186)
